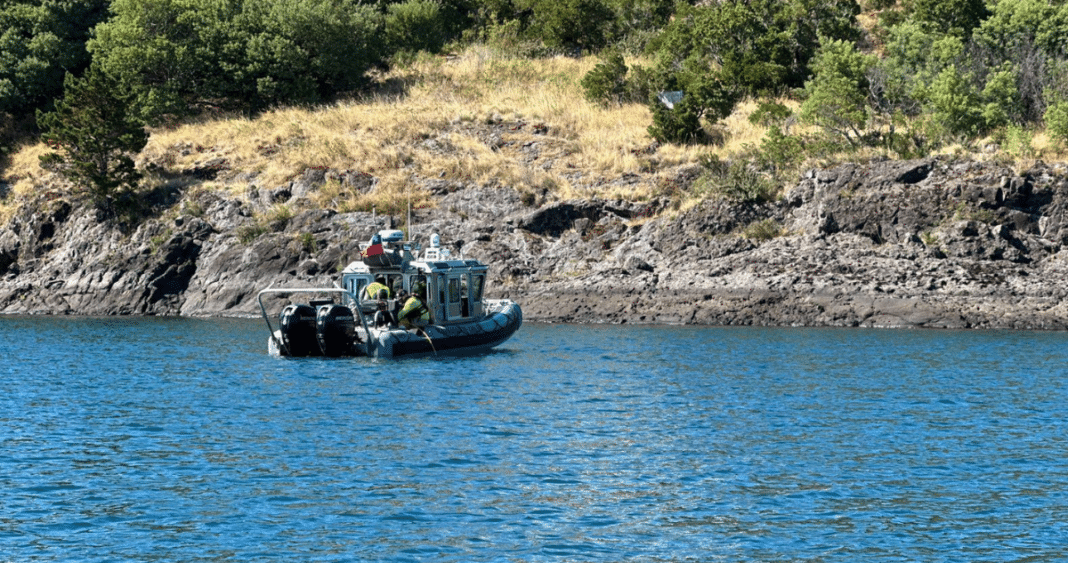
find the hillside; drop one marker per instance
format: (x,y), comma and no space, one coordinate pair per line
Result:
(581,215)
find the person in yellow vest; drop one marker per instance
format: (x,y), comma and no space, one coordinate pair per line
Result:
(415,313)
(375,288)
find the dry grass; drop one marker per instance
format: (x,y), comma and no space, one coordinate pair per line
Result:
(22,175)
(464,119)
(479,118)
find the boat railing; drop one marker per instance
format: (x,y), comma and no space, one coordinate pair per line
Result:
(311,290)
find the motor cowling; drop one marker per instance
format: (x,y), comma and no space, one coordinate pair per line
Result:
(299,330)
(335,329)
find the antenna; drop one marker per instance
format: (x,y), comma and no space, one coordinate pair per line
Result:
(408,194)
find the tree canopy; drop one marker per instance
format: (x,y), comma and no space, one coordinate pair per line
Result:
(96,135)
(180,55)
(40,41)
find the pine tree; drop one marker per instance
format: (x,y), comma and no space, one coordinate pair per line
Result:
(96,132)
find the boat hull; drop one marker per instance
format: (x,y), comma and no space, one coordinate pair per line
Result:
(502,320)
(492,330)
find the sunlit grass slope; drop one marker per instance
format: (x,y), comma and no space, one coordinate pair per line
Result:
(479,118)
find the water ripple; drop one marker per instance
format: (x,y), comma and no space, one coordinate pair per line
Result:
(181,440)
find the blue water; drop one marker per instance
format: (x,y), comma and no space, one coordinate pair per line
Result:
(182,440)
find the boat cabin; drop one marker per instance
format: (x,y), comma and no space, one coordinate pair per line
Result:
(454,286)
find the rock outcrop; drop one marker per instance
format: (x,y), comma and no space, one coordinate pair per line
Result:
(925,243)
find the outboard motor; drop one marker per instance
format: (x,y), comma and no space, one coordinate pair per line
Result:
(298,330)
(335,328)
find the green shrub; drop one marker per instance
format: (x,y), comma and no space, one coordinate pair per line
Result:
(779,151)
(415,25)
(954,103)
(177,56)
(97,135)
(1057,121)
(278,217)
(836,96)
(769,113)
(570,23)
(39,43)
(956,17)
(1018,141)
(764,230)
(758,46)
(705,97)
(607,83)
(736,181)
(680,124)
(249,233)
(308,243)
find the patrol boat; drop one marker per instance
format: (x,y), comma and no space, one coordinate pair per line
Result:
(345,321)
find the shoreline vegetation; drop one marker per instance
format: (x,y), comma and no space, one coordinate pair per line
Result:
(396,132)
(766,90)
(565,170)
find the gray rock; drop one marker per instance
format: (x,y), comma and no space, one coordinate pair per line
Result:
(926,243)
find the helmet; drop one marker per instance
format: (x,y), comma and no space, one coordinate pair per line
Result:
(420,289)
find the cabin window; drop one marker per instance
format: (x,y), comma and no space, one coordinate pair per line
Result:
(454,309)
(395,284)
(454,290)
(414,282)
(466,308)
(439,287)
(358,286)
(477,282)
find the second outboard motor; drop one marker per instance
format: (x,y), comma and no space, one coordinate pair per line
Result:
(335,328)
(298,330)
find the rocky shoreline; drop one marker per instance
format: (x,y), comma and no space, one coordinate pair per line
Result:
(925,243)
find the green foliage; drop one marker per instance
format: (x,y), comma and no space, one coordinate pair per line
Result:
(1032,37)
(39,42)
(954,103)
(736,181)
(960,108)
(999,97)
(248,233)
(1020,20)
(955,17)
(566,24)
(178,55)
(278,217)
(965,87)
(705,97)
(1017,141)
(917,52)
(779,151)
(760,46)
(569,23)
(96,134)
(768,113)
(836,97)
(415,25)
(606,84)
(1057,121)
(681,124)
(308,243)
(879,4)
(636,22)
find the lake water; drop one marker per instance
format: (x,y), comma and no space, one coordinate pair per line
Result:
(182,440)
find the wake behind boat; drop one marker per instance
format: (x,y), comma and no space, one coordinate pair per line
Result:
(392,303)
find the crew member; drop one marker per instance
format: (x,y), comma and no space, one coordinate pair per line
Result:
(415,313)
(377,287)
(383,316)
